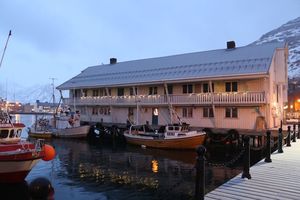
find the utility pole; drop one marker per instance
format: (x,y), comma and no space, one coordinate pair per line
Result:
(53,90)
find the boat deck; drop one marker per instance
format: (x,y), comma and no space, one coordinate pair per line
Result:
(276,180)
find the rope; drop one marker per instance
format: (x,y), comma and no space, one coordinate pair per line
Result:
(221,140)
(228,163)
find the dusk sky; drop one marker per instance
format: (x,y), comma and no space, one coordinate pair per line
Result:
(60,38)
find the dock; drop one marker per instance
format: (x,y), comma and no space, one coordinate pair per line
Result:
(279,179)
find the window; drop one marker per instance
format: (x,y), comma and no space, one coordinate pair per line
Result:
(231,87)
(77,93)
(104,110)
(152,90)
(103,92)
(206,88)
(95,93)
(187,89)
(170,89)
(208,112)
(231,112)
(84,93)
(132,92)
(120,91)
(95,111)
(187,112)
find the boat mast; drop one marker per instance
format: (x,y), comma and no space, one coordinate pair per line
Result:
(9,34)
(169,103)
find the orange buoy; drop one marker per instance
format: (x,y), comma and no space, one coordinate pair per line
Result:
(49,152)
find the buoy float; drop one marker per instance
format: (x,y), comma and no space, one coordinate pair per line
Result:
(41,188)
(49,152)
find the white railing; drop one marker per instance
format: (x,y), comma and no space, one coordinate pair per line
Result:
(196,99)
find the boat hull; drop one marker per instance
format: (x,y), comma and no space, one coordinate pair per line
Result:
(189,142)
(15,171)
(16,161)
(76,132)
(40,134)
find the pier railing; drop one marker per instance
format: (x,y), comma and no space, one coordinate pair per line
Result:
(292,135)
(189,99)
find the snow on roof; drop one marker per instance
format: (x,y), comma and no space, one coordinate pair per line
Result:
(251,59)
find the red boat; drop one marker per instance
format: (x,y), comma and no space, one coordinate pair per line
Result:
(18,157)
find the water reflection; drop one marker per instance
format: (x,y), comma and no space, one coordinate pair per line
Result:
(82,170)
(135,173)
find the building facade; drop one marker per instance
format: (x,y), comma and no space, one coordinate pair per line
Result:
(232,88)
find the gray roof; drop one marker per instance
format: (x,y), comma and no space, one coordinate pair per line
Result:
(247,60)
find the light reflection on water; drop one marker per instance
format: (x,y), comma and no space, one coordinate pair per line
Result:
(90,171)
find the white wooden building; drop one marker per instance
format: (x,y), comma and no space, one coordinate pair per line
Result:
(231,88)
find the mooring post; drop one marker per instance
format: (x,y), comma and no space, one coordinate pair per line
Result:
(114,129)
(200,173)
(246,168)
(298,135)
(268,153)
(288,139)
(280,140)
(294,135)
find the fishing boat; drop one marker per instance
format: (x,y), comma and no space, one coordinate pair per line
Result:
(18,157)
(67,125)
(41,128)
(172,136)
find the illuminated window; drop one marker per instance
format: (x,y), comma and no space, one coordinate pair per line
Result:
(155,111)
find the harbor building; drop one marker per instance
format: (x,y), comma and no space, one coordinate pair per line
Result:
(231,88)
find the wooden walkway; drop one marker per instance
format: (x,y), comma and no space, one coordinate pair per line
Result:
(279,179)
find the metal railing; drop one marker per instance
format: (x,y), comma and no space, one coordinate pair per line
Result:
(185,99)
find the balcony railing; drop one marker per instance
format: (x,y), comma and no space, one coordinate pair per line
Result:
(189,99)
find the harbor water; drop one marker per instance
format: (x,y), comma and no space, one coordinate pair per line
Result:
(89,170)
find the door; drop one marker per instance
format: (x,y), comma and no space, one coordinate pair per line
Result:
(155,116)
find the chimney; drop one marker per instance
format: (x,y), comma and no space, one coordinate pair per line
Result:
(230,45)
(113,61)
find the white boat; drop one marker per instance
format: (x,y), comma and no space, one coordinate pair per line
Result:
(174,136)
(68,126)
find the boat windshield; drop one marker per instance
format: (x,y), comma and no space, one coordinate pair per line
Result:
(4,133)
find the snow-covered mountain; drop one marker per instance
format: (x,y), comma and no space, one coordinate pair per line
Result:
(43,93)
(289,32)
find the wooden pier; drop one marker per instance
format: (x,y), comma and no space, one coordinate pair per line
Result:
(279,179)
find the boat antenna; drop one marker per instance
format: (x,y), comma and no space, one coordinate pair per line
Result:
(9,34)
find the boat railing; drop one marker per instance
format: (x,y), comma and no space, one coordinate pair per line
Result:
(38,144)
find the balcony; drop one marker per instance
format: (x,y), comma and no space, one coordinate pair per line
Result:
(236,98)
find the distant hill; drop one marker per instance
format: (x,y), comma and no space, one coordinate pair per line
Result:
(289,32)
